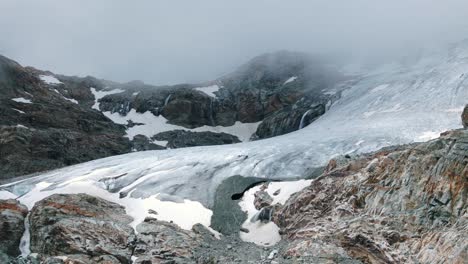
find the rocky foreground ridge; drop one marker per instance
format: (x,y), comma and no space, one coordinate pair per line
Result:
(49,120)
(401,204)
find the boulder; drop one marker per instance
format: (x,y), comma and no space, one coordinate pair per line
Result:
(79,224)
(262,199)
(12,215)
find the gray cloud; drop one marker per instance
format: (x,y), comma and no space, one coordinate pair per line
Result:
(184,41)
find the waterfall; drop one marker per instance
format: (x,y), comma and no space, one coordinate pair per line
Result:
(301,125)
(211,112)
(167,99)
(25,239)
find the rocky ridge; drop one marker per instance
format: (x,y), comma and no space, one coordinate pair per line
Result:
(50,120)
(401,204)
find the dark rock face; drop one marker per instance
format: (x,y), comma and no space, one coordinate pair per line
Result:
(260,90)
(12,214)
(397,205)
(79,224)
(59,127)
(465,117)
(51,131)
(288,120)
(183,138)
(141,143)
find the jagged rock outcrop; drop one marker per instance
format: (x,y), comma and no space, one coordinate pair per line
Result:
(12,215)
(183,138)
(45,126)
(79,224)
(405,204)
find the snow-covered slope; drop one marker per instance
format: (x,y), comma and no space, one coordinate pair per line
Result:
(401,105)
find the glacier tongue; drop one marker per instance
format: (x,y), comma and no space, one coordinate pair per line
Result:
(403,105)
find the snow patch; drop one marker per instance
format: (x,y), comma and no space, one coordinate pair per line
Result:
(100,94)
(19,111)
(157,124)
(185,214)
(161,142)
(428,135)
(22,100)
(267,234)
(209,90)
(292,79)
(71,100)
(49,79)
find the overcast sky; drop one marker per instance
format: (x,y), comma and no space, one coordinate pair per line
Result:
(174,41)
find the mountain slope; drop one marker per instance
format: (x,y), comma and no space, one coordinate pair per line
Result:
(50,120)
(405,105)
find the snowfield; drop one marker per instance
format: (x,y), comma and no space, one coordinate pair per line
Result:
(49,79)
(416,103)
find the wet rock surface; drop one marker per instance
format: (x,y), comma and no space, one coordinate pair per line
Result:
(12,215)
(79,224)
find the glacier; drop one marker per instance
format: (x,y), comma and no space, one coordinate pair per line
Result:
(387,106)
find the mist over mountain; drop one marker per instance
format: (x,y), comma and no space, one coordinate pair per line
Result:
(208,132)
(163,42)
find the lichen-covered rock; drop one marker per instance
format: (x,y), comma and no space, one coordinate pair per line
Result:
(12,214)
(79,224)
(159,242)
(404,204)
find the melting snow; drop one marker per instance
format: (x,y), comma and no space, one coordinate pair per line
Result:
(22,100)
(209,90)
(292,79)
(49,79)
